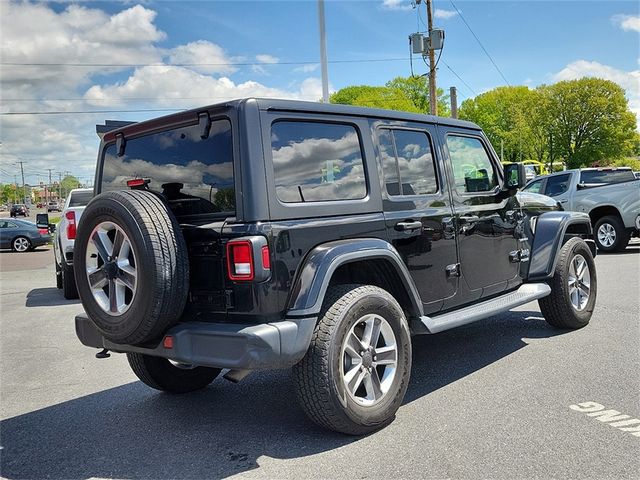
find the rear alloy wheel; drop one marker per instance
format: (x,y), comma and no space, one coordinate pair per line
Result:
(355,374)
(573,287)
(21,244)
(610,234)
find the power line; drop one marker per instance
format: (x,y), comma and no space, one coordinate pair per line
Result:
(480,43)
(221,64)
(81,112)
(460,78)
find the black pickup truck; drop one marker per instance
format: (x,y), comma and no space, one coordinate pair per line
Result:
(261,234)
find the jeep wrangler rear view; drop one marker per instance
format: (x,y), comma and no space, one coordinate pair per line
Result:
(262,234)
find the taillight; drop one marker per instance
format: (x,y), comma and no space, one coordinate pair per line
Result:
(240,260)
(71,224)
(43,231)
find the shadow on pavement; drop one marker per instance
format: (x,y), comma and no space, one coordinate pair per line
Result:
(132,431)
(47,297)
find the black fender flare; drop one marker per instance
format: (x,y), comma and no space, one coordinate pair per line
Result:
(550,231)
(312,281)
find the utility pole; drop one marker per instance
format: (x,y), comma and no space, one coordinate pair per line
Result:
(454,102)
(59,186)
(433,101)
(48,190)
(323,53)
(24,195)
(15,191)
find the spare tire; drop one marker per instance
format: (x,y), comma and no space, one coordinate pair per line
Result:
(131,266)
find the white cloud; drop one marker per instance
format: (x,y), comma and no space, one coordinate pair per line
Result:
(264,58)
(308,68)
(396,5)
(630,81)
(181,87)
(627,22)
(211,58)
(444,14)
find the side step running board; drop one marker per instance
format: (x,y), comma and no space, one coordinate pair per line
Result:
(526,293)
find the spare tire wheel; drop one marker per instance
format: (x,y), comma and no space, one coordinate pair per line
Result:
(131,266)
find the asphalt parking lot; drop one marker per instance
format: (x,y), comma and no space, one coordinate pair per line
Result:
(489,400)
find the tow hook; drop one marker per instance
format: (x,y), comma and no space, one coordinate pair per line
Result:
(104,353)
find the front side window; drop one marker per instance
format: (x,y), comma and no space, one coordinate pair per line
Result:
(557,185)
(407,162)
(315,162)
(533,187)
(472,168)
(195,175)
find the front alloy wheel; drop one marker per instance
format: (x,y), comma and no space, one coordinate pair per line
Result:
(579,282)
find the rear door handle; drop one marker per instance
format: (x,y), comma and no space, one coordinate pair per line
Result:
(408,226)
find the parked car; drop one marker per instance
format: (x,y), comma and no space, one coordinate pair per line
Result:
(611,197)
(22,235)
(262,234)
(53,207)
(64,239)
(19,209)
(3,208)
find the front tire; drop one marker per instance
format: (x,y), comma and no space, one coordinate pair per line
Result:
(21,244)
(355,374)
(573,287)
(68,280)
(161,374)
(610,234)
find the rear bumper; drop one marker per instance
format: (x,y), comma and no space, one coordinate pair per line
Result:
(220,345)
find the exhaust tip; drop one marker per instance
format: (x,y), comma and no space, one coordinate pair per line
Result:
(236,376)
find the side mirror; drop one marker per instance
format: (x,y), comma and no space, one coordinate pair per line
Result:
(42,220)
(515,176)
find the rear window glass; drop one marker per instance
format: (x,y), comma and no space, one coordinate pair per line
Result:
(195,175)
(606,176)
(315,162)
(80,199)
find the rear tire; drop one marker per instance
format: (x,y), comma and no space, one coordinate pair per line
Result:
(348,381)
(21,244)
(68,280)
(574,277)
(610,234)
(161,374)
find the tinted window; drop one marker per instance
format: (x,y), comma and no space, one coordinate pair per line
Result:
(194,174)
(407,162)
(472,168)
(606,176)
(557,185)
(317,161)
(534,187)
(80,199)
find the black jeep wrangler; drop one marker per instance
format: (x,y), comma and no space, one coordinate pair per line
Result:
(260,234)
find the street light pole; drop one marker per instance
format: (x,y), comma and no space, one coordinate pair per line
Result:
(323,53)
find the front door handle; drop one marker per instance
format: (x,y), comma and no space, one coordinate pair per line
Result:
(408,226)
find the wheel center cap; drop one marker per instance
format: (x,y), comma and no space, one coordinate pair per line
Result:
(111,270)
(367,359)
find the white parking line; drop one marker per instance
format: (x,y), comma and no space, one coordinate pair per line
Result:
(612,417)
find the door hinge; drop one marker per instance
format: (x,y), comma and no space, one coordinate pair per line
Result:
(519,255)
(453,270)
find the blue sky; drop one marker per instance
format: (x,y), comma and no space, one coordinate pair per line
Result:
(532,42)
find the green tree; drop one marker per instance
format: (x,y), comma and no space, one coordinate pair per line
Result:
(410,94)
(67,184)
(590,121)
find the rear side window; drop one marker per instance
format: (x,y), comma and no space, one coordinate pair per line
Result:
(557,185)
(472,168)
(606,176)
(314,162)
(195,175)
(407,162)
(80,199)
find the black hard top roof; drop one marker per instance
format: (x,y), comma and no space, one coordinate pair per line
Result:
(298,106)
